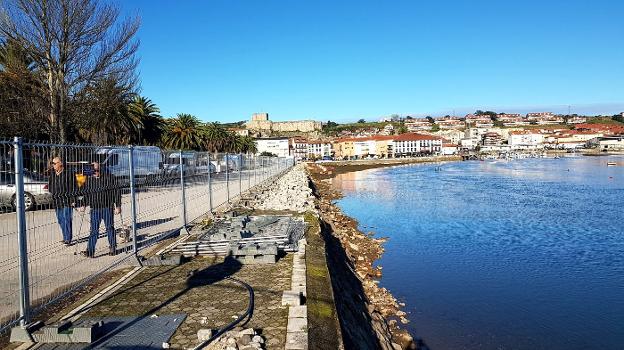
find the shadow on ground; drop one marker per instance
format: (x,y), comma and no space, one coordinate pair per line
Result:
(196,278)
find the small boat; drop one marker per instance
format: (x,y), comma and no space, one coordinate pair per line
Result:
(611,163)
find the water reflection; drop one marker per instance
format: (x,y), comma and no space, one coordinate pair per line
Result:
(525,254)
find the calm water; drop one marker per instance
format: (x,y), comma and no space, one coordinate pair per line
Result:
(526,254)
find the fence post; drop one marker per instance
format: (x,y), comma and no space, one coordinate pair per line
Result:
(209,184)
(184,223)
(248,172)
(135,245)
(227,178)
(20,213)
(240,175)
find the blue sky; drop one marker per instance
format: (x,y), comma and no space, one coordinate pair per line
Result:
(343,60)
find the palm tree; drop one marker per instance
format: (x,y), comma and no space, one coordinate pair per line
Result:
(236,144)
(152,124)
(106,119)
(217,138)
(249,144)
(185,131)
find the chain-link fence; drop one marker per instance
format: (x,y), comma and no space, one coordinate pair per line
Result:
(70,212)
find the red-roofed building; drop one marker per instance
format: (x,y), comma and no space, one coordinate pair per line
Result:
(607,129)
(543,118)
(512,119)
(390,146)
(450,123)
(491,139)
(420,124)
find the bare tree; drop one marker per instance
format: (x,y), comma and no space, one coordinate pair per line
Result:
(74,43)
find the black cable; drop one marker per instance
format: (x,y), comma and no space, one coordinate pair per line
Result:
(248,313)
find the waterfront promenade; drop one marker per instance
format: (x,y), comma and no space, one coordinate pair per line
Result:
(203,291)
(54,267)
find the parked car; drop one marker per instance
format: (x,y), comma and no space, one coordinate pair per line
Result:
(35,190)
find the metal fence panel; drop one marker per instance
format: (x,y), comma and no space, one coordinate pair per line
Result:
(9,261)
(88,208)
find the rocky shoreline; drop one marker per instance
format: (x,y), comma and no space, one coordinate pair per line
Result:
(362,250)
(350,256)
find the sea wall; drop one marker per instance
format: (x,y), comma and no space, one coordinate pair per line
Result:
(368,315)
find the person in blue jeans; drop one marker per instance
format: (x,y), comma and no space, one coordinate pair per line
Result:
(62,186)
(103,194)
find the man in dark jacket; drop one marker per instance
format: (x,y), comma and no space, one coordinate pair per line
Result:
(62,187)
(103,195)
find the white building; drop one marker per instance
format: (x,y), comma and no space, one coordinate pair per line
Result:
(387,130)
(298,148)
(453,136)
(615,143)
(410,144)
(577,120)
(525,140)
(318,149)
(449,149)
(469,143)
(365,147)
(276,145)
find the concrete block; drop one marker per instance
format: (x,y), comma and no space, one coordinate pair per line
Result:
(298,280)
(291,298)
(56,328)
(297,325)
(161,260)
(296,341)
(298,311)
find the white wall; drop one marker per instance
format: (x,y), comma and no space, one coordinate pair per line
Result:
(278,147)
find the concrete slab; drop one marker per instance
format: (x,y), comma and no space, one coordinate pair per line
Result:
(296,341)
(291,298)
(298,311)
(297,325)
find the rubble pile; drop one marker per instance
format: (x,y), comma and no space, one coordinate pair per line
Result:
(237,339)
(289,192)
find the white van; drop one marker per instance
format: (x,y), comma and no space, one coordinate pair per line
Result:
(147,160)
(194,163)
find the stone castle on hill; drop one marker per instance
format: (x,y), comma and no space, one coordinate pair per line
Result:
(260,122)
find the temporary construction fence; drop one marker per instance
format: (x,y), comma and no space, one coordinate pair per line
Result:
(51,193)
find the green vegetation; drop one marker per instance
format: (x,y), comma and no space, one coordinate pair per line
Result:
(334,129)
(490,113)
(617,120)
(321,309)
(323,322)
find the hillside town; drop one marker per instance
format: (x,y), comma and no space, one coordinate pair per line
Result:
(411,137)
